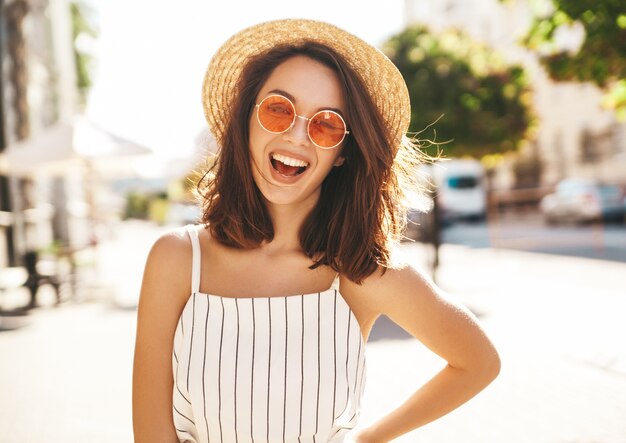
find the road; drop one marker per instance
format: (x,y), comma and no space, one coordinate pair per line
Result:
(557,322)
(528,232)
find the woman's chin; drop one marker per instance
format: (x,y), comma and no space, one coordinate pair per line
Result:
(292,195)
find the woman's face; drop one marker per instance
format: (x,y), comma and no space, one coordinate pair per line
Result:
(311,87)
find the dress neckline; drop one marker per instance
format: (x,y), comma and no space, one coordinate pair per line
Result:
(285,297)
(331,288)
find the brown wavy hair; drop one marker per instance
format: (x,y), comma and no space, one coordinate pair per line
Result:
(361,212)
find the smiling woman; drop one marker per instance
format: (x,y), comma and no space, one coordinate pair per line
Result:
(252,326)
(317,80)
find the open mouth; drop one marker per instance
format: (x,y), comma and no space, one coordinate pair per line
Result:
(288,166)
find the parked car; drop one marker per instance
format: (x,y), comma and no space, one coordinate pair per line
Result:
(583,200)
(461,189)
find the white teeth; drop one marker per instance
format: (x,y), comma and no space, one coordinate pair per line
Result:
(289,161)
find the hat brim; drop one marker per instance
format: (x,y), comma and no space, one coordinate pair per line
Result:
(379,75)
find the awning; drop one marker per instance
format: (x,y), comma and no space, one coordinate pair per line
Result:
(68,145)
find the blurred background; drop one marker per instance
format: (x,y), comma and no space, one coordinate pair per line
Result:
(102,138)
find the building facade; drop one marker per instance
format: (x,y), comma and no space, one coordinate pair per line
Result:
(37,75)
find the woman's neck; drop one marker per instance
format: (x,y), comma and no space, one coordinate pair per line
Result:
(287,220)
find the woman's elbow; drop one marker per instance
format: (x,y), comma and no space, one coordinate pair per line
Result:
(490,366)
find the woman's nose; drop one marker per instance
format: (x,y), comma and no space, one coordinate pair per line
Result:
(298,133)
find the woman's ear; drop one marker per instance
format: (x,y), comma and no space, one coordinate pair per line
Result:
(339,160)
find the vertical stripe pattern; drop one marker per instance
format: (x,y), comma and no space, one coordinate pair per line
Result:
(268,369)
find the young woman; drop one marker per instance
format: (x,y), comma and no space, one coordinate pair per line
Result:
(252,325)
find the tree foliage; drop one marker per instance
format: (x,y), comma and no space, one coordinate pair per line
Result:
(478,103)
(600,59)
(82,26)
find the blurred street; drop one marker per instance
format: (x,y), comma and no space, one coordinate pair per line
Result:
(558,322)
(529,232)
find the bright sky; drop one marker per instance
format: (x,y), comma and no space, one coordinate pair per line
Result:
(152,56)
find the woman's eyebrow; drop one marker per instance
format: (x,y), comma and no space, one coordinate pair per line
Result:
(293,99)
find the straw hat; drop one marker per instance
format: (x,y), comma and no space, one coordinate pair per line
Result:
(381,78)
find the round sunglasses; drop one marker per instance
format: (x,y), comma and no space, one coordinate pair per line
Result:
(277,114)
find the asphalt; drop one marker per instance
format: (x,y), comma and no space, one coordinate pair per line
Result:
(558,323)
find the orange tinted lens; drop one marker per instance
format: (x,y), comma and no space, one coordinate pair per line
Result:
(327,129)
(276,114)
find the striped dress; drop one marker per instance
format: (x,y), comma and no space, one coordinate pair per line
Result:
(287,369)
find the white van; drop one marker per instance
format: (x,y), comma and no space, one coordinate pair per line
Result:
(462,189)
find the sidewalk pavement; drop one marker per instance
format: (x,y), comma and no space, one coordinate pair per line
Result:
(557,322)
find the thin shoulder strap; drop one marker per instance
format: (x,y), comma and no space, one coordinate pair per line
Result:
(195,264)
(335,284)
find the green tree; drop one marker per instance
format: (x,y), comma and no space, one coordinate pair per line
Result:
(601,58)
(82,15)
(479,104)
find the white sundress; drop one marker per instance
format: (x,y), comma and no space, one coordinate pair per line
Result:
(288,369)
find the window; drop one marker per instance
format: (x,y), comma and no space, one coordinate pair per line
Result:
(463,182)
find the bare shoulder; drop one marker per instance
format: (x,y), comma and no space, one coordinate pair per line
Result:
(168,267)
(175,241)
(394,288)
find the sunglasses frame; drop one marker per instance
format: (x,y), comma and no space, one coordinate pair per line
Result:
(308,119)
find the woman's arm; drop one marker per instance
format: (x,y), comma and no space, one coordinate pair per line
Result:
(164,290)
(449,330)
